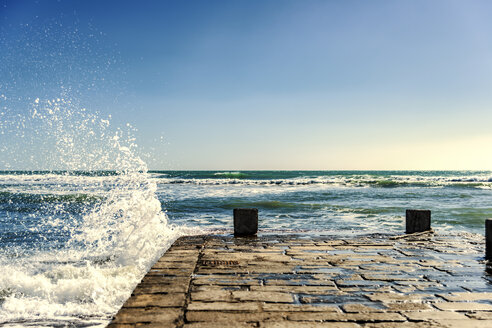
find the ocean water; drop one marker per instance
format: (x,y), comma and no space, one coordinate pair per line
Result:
(73,244)
(334,202)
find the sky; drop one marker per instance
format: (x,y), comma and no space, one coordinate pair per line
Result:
(237,85)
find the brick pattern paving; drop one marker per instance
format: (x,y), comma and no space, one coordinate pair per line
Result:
(429,280)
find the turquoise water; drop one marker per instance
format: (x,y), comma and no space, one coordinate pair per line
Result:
(311,201)
(327,201)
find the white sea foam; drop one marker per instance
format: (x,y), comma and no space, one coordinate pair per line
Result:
(110,247)
(483,181)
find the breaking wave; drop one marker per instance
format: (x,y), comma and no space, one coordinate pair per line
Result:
(347,180)
(79,239)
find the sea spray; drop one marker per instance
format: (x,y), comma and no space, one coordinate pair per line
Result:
(80,232)
(83,262)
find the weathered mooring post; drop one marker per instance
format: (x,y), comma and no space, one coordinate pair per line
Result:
(418,221)
(488,239)
(245,221)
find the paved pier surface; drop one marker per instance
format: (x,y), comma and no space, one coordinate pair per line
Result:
(429,280)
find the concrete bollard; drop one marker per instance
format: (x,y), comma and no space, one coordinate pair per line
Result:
(418,221)
(245,221)
(488,239)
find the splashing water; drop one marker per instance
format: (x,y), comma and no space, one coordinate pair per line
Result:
(89,237)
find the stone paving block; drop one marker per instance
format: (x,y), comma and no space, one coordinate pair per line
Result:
(152,315)
(466,296)
(214,325)
(332,242)
(420,324)
(274,297)
(219,317)
(407,306)
(433,315)
(316,290)
(182,253)
(142,325)
(404,289)
(352,276)
(265,269)
(299,282)
(355,290)
(225,281)
(272,307)
(344,273)
(361,308)
(223,306)
(356,258)
(394,297)
(185,251)
(429,262)
(274,258)
(357,317)
(212,296)
(390,277)
(372,267)
(418,284)
(170,272)
(375,288)
(325,269)
(260,263)
(480,315)
(204,288)
(166,280)
(290,324)
(463,306)
(317,248)
(464,323)
(227,271)
(159,288)
(358,283)
(177,259)
(156,300)
(340,298)
(186,263)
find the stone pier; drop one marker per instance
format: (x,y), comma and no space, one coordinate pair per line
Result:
(422,280)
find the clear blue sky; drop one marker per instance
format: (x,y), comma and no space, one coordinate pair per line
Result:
(268,84)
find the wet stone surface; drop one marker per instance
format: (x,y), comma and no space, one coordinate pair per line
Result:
(426,280)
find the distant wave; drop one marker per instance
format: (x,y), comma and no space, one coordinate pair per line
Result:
(233,175)
(344,181)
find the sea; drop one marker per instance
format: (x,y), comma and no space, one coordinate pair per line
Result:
(73,244)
